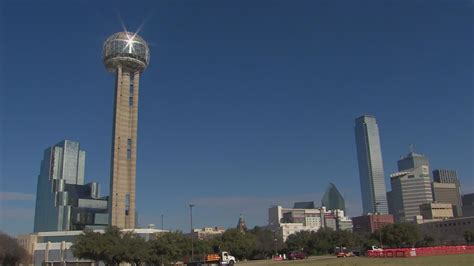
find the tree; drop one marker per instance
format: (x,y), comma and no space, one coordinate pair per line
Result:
(169,247)
(239,244)
(137,249)
(115,247)
(265,243)
(323,241)
(111,247)
(11,252)
(299,241)
(469,236)
(346,239)
(89,246)
(399,235)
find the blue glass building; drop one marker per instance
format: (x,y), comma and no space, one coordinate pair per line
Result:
(332,199)
(371,173)
(63,201)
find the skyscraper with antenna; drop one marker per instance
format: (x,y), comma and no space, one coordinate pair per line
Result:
(126,55)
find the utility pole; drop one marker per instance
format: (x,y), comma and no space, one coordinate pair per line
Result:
(162,227)
(192,233)
(377,216)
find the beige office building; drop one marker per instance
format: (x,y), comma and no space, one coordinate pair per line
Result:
(448,193)
(436,211)
(126,55)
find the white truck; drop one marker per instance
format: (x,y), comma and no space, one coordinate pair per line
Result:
(222,258)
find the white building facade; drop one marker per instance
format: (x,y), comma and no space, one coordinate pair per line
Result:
(287,221)
(54,248)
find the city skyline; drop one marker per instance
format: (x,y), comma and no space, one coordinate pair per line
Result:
(253,104)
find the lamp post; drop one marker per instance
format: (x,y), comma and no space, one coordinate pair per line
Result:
(276,243)
(275,240)
(378,224)
(162,229)
(192,233)
(162,226)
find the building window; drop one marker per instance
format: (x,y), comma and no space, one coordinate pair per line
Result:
(130,101)
(129,149)
(131,85)
(127,204)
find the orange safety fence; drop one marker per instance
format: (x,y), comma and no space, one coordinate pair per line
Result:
(419,252)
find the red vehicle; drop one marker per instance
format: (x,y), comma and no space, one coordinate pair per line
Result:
(341,252)
(297,255)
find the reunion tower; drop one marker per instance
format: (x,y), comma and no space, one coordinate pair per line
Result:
(126,55)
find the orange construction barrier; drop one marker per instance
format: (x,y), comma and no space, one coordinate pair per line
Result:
(419,252)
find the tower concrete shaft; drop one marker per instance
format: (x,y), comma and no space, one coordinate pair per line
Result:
(124,149)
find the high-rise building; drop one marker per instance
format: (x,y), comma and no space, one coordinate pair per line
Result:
(332,199)
(371,174)
(126,55)
(63,202)
(468,205)
(449,195)
(411,161)
(411,187)
(436,211)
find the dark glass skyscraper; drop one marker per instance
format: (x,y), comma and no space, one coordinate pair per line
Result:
(369,155)
(333,199)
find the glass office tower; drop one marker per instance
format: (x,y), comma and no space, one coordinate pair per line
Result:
(63,202)
(332,199)
(371,174)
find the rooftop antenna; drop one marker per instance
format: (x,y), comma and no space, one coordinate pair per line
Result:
(412,150)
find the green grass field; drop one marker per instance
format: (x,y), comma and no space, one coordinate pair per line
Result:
(447,260)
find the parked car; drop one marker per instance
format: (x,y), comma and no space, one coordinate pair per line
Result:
(297,255)
(342,252)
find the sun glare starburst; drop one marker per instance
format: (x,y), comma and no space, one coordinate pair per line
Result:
(130,41)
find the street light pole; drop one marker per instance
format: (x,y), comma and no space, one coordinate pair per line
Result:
(276,249)
(275,240)
(162,227)
(192,235)
(378,224)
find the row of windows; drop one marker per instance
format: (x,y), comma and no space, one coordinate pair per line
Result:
(121,47)
(453,224)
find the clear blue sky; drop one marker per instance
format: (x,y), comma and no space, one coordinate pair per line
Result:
(245,104)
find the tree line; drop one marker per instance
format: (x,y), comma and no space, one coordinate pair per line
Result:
(114,247)
(325,240)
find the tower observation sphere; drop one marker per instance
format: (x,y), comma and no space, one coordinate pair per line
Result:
(127,50)
(126,55)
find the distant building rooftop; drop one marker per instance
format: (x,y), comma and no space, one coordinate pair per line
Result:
(304,205)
